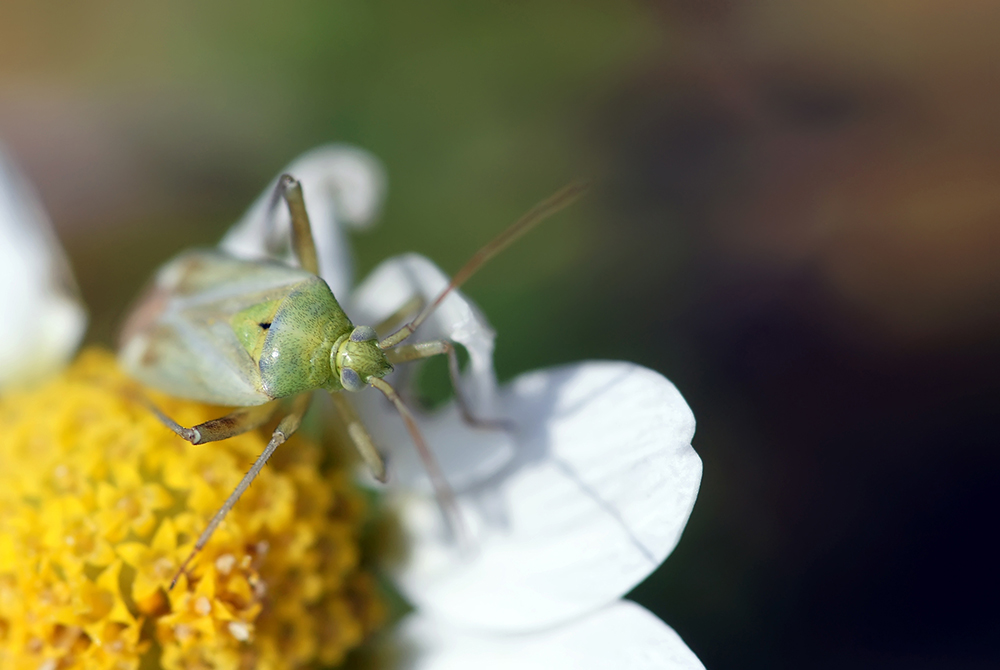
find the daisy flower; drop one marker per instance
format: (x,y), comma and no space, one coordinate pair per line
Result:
(580,500)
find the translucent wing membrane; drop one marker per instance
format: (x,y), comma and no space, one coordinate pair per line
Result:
(180,340)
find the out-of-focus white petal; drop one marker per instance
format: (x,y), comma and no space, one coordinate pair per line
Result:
(467,455)
(43,317)
(602,486)
(623,636)
(343,186)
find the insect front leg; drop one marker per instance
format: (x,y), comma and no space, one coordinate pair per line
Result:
(285,429)
(411,306)
(413,352)
(442,490)
(235,423)
(359,435)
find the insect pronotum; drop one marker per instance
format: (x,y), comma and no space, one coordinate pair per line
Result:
(252,333)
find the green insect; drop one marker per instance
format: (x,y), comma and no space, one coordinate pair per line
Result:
(261,335)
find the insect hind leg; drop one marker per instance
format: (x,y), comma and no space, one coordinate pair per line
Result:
(288,425)
(235,423)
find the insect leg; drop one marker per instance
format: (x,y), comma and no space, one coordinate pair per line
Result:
(445,496)
(302,239)
(413,352)
(236,422)
(409,307)
(285,429)
(543,210)
(359,435)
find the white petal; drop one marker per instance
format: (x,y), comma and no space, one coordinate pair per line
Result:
(602,486)
(623,636)
(44,319)
(467,455)
(342,185)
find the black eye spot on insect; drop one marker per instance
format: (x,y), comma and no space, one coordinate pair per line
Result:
(264,326)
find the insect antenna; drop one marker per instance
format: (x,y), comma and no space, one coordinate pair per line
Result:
(442,490)
(543,210)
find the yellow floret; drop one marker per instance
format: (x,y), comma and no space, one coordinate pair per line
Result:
(99,504)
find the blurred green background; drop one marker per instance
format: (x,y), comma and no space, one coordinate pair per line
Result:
(795,218)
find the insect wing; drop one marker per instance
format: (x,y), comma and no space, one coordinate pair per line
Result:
(179,338)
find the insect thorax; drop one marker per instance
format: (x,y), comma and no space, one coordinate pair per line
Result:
(291,338)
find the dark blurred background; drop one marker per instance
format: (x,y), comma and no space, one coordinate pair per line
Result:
(796,218)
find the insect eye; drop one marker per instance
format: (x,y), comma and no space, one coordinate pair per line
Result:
(351,380)
(363,334)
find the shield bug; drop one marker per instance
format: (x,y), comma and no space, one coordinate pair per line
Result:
(262,335)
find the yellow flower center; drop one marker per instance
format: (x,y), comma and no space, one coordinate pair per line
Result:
(100,503)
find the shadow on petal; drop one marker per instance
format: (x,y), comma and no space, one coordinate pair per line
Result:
(602,485)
